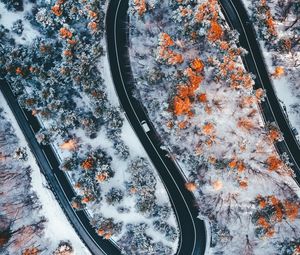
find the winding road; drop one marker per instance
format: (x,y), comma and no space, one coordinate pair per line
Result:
(57,180)
(237,17)
(192,229)
(193,236)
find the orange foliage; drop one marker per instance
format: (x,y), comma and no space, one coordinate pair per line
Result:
(197,64)
(274,163)
(31,251)
(65,33)
(263,222)
(170,124)
(183,91)
(202,98)
(87,164)
(208,129)
(72,42)
(190,186)
(77,185)
(166,40)
(247,81)
(19,71)
(217,185)
(224,45)
(274,135)
(75,205)
(207,8)
(86,199)
(93,15)
(259,93)
(278,214)
(184,11)
(274,200)
(291,209)
(57,10)
(182,124)
(287,43)
(181,106)
(270,232)
(262,203)
(107,236)
(69,145)
(246,124)
(212,160)
(195,81)
(101,177)
(175,58)
(241,167)
(278,72)
(100,232)
(233,163)
(140,6)
(93,26)
(215,32)
(270,23)
(243,184)
(68,53)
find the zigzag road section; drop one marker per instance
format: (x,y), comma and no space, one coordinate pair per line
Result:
(192,229)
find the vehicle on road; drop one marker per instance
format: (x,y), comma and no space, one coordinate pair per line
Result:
(145,126)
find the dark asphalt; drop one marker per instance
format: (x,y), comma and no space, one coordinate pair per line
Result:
(193,235)
(236,15)
(59,184)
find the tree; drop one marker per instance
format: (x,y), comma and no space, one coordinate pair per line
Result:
(271,211)
(69,163)
(77,204)
(64,248)
(121,149)
(31,251)
(106,227)
(114,196)
(164,228)
(215,32)
(14,5)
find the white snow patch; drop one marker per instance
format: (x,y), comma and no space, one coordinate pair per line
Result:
(57,228)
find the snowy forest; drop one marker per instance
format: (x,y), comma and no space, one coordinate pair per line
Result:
(278,27)
(53,54)
(190,77)
(24,228)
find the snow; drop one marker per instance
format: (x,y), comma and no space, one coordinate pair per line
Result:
(205,157)
(285,92)
(85,103)
(57,227)
(7,18)
(286,87)
(104,67)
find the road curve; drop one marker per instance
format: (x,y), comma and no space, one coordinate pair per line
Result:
(237,17)
(192,229)
(59,184)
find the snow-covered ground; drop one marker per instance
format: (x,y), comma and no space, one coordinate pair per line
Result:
(200,98)
(70,82)
(280,49)
(57,227)
(8,19)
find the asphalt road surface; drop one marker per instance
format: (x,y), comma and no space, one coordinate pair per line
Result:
(58,181)
(192,229)
(237,17)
